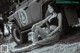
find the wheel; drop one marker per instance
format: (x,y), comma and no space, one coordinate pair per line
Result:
(17,36)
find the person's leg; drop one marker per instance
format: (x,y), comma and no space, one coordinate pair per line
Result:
(38,31)
(34,37)
(48,40)
(41,32)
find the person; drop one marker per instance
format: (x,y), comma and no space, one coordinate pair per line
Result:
(54,25)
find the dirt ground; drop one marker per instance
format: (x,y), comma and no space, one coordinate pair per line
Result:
(70,44)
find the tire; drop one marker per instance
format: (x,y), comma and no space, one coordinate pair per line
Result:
(17,36)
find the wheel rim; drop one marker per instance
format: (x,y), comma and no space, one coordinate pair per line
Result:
(16,35)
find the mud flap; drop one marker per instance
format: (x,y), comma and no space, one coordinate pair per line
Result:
(71,16)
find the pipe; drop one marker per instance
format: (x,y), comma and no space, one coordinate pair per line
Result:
(26,31)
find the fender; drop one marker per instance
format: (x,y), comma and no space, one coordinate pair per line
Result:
(20,16)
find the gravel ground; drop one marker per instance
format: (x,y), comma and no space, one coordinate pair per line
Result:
(68,45)
(59,48)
